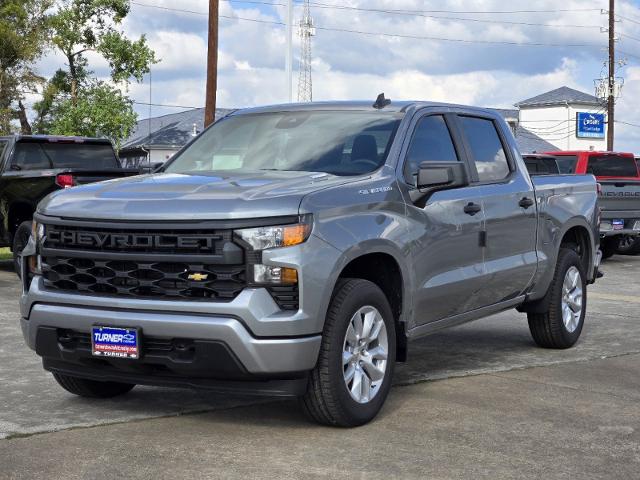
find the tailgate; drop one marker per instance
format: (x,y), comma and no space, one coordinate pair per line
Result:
(620,195)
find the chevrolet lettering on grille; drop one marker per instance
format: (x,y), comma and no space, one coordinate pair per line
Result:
(57,238)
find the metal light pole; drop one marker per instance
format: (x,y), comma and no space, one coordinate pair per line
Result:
(289,57)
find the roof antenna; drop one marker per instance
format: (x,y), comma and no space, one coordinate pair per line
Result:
(381,102)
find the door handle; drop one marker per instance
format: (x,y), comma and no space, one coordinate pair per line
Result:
(472,208)
(526,202)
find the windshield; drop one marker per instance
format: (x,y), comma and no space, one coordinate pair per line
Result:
(44,155)
(340,143)
(612,166)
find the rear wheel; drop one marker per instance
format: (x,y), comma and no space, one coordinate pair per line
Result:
(609,246)
(629,245)
(20,240)
(92,388)
(352,378)
(566,301)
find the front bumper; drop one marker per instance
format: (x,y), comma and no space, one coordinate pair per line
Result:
(259,340)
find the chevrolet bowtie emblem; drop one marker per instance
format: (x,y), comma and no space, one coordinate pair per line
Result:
(198,277)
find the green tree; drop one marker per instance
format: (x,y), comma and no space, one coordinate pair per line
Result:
(99,110)
(79,27)
(23,37)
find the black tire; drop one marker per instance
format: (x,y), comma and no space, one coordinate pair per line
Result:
(327,400)
(609,246)
(629,245)
(92,388)
(20,240)
(548,329)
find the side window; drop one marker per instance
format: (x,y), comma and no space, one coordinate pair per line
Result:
(486,148)
(431,142)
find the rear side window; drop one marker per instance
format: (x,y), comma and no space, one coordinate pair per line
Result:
(612,166)
(567,163)
(41,155)
(29,156)
(486,148)
(431,142)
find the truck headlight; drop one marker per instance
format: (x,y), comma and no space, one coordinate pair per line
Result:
(262,238)
(34,261)
(636,225)
(37,231)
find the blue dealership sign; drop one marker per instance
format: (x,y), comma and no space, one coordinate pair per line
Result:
(590,125)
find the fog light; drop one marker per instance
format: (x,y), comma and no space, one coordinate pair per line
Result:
(606,226)
(269,274)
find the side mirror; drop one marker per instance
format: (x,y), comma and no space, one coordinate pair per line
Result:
(435,176)
(440,175)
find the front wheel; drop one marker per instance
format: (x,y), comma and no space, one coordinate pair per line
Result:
(84,387)
(566,303)
(352,378)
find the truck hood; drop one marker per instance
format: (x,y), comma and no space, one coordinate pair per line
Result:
(207,196)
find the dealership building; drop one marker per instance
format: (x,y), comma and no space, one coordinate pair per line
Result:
(562,119)
(566,118)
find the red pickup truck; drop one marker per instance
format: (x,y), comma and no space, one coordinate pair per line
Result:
(619,178)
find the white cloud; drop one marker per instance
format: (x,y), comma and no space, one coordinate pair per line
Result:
(349,65)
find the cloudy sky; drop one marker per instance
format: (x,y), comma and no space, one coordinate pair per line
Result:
(464,51)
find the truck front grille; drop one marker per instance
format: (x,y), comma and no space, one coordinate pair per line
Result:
(144,261)
(184,261)
(132,278)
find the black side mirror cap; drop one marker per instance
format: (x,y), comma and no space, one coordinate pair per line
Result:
(441,175)
(435,176)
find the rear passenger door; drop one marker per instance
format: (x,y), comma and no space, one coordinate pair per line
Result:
(510,211)
(446,251)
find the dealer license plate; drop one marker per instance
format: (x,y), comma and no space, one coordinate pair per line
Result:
(618,224)
(115,342)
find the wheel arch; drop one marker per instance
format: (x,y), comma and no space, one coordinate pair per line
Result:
(384,268)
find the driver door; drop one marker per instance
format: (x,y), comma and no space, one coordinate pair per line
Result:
(446,249)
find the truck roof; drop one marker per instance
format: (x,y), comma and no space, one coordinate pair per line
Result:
(361,105)
(590,152)
(58,139)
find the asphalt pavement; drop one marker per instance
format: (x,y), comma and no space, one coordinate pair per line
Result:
(476,401)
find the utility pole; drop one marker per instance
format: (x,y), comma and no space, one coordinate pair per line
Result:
(212,65)
(612,76)
(289,59)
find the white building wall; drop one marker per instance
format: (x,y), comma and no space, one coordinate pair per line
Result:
(557,125)
(161,155)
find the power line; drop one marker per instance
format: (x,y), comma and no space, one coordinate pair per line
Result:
(418,13)
(397,35)
(429,14)
(165,105)
(627,123)
(628,19)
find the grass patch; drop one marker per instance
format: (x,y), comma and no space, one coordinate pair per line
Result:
(5,254)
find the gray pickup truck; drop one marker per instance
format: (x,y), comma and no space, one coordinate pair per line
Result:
(297,249)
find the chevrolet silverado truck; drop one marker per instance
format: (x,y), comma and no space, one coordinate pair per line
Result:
(32,166)
(297,250)
(619,179)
